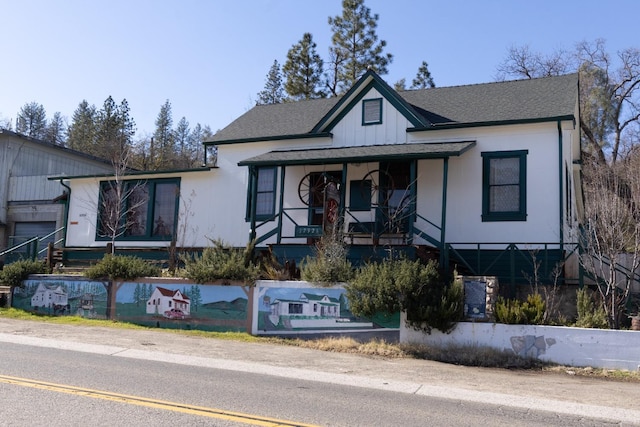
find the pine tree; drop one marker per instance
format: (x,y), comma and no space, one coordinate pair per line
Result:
(163,150)
(82,131)
(423,78)
(273,92)
(56,130)
(32,121)
(182,137)
(114,133)
(303,70)
(355,46)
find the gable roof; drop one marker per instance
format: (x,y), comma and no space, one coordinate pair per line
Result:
(531,100)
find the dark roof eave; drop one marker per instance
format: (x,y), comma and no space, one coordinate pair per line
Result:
(361,158)
(132,173)
(270,138)
(456,125)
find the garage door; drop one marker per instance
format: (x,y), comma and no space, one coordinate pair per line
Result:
(26,230)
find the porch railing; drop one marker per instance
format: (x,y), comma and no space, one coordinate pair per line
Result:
(31,248)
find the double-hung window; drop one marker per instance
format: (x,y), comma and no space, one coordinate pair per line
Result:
(138,210)
(504,185)
(265,193)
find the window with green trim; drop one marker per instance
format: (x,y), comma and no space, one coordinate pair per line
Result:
(266,193)
(138,210)
(372,111)
(504,185)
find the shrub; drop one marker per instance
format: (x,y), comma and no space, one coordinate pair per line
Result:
(516,312)
(119,267)
(403,285)
(15,273)
(330,263)
(221,262)
(589,316)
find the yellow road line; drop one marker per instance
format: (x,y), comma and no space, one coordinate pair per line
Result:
(153,403)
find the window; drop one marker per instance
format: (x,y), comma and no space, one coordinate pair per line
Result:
(372,111)
(265,193)
(138,210)
(504,186)
(295,308)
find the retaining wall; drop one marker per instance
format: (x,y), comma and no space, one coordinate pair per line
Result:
(579,347)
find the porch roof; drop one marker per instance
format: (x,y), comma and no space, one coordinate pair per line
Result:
(360,154)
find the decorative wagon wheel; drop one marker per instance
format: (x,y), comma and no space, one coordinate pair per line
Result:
(310,189)
(378,193)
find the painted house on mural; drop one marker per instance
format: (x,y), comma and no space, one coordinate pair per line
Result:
(307,305)
(49,296)
(29,201)
(478,176)
(163,300)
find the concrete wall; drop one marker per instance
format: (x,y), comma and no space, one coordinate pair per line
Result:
(597,348)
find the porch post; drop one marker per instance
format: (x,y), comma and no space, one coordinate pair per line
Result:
(342,193)
(280,214)
(253,198)
(443,221)
(412,199)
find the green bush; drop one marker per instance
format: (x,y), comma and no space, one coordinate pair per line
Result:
(221,262)
(410,286)
(15,273)
(516,312)
(119,267)
(330,263)
(589,316)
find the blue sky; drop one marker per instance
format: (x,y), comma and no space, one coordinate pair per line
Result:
(209,58)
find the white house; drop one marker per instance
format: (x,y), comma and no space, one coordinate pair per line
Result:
(49,296)
(307,305)
(482,177)
(162,300)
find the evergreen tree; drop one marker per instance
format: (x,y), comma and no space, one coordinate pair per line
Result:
(423,78)
(182,137)
(32,121)
(400,84)
(273,92)
(82,131)
(114,133)
(355,46)
(162,150)
(56,130)
(303,70)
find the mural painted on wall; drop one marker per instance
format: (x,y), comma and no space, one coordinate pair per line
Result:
(298,309)
(166,305)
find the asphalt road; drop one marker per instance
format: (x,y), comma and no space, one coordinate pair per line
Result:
(274,382)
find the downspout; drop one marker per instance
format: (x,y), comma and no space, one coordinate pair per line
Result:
(560,186)
(445,173)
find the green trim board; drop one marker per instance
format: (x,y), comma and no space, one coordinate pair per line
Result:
(504,185)
(361,154)
(270,138)
(135,174)
(456,125)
